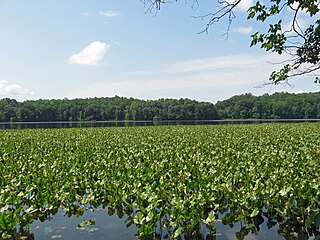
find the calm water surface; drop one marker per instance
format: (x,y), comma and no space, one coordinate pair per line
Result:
(64,227)
(112,227)
(23,125)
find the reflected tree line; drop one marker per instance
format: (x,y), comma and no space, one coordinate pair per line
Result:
(246,106)
(289,230)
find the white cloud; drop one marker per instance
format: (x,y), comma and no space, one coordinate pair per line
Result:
(13,90)
(301,22)
(243,30)
(90,55)
(109,13)
(223,63)
(243,5)
(188,78)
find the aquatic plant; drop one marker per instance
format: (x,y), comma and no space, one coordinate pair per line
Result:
(171,180)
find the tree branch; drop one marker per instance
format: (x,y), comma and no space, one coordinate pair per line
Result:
(225,10)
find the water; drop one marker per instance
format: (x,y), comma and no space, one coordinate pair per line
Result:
(75,124)
(107,227)
(63,227)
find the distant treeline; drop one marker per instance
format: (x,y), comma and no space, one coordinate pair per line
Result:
(247,106)
(276,106)
(105,109)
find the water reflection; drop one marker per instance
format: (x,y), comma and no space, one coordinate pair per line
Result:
(76,124)
(104,227)
(99,224)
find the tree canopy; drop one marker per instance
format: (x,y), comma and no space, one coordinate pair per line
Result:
(301,45)
(246,106)
(105,109)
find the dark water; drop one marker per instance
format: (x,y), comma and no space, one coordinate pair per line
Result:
(64,227)
(23,125)
(111,227)
(106,227)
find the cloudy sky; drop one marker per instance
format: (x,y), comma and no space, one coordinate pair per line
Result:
(101,48)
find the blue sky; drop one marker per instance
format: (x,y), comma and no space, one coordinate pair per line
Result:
(101,48)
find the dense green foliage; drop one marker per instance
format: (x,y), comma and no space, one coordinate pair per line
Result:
(104,109)
(275,106)
(181,177)
(247,106)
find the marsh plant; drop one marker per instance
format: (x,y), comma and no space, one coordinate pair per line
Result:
(170,181)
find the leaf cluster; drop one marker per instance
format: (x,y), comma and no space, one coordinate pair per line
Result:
(171,180)
(304,50)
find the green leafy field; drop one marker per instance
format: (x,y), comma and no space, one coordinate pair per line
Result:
(181,178)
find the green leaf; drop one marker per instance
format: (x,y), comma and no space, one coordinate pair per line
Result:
(251,15)
(139,218)
(210,218)
(254,212)
(80,212)
(149,216)
(111,211)
(48,230)
(86,223)
(91,229)
(177,232)
(317,220)
(5,235)
(56,236)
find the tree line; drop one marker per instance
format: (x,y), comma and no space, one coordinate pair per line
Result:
(246,106)
(105,109)
(276,106)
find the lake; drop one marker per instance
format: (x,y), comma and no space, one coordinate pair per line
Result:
(77,124)
(107,227)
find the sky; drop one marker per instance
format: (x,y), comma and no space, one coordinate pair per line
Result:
(54,49)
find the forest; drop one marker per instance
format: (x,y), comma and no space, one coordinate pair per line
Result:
(105,109)
(246,106)
(276,106)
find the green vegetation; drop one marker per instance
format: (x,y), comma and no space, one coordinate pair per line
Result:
(275,106)
(179,177)
(247,106)
(105,109)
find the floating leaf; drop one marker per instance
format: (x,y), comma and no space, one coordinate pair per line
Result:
(254,212)
(86,223)
(91,229)
(179,175)
(80,212)
(23,238)
(177,232)
(56,236)
(48,230)
(5,235)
